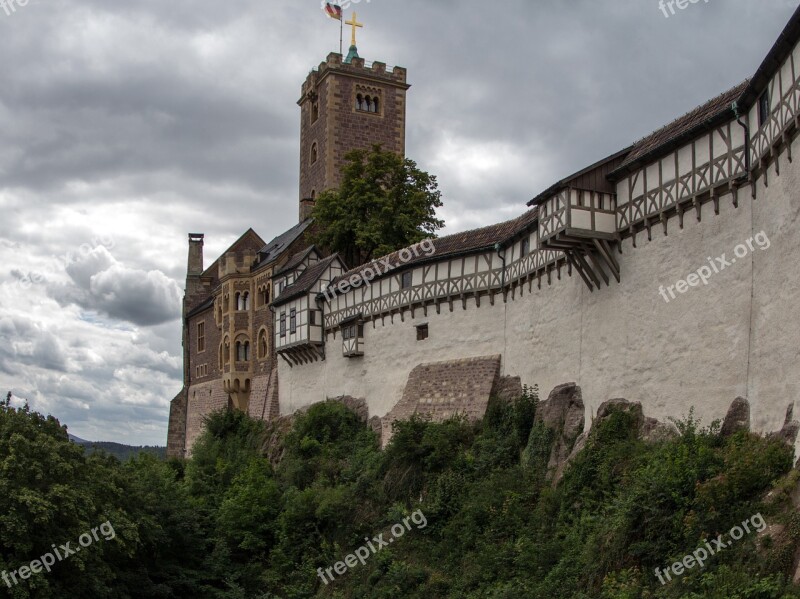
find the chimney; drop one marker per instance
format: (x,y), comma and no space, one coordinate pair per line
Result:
(195,254)
(306,207)
(195,265)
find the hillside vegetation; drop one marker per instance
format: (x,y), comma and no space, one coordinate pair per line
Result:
(481,518)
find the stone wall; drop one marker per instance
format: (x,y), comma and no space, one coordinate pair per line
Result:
(203,399)
(176,434)
(441,390)
(736,336)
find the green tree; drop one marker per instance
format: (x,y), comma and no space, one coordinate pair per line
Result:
(383,204)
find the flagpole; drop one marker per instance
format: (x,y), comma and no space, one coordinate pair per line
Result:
(341,28)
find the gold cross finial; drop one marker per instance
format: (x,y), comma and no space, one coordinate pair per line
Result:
(354,23)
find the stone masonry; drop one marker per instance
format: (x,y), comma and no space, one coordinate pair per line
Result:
(441,390)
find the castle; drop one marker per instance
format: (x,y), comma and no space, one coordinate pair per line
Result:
(667,273)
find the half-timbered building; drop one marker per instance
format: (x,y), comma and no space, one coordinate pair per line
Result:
(573,288)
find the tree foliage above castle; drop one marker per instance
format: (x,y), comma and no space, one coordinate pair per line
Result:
(384,203)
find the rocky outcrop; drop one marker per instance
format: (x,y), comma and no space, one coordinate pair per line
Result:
(507,388)
(563,413)
(738,417)
(790,428)
(647,429)
(357,405)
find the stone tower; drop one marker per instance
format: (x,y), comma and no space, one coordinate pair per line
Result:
(347,105)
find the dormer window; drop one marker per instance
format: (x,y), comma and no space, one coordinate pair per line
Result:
(353,339)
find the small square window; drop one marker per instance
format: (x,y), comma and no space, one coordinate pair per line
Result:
(422,332)
(405,281)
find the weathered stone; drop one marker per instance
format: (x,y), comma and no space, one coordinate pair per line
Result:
(562,412)
(654,431)
(737,418)
(356,405)
(441,390)
(507,388)
(621,405)
(376,425)
(790,428)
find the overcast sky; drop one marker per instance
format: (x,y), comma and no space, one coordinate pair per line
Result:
(126,125)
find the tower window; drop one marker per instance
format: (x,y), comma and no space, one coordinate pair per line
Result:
(367,103)
(242,351)
(263,346)
(763,109)
(201,336)
(314,112)
(314,153)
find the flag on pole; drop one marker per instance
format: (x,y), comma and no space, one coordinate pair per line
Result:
(334,11)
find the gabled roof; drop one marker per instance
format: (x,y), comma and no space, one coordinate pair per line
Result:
(296,260)
(249,238)
(601,167)
(681,130)
(208,303)
(779,52)
(273,249)
(305,281)
(466,242)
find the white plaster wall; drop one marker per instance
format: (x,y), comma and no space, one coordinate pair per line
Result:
(623,340)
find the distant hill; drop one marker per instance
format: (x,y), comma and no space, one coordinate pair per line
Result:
(118,450)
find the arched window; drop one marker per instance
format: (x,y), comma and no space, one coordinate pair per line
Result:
(313,194)
(226,302)
(221,356)
(239,303)
(359,102)
(226,352)
(368,104)
(266,294)
(263,344)
(375,105)
(314,153)
(242,351)
(246,300)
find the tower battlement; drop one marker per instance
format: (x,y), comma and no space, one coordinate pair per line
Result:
(347,104)
(357,67)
